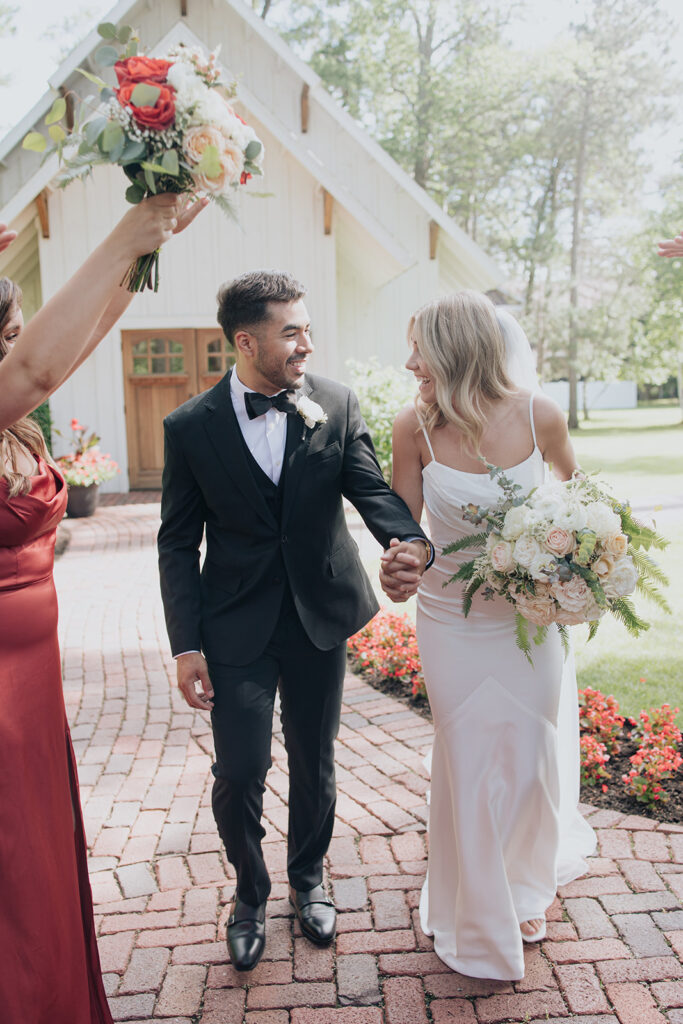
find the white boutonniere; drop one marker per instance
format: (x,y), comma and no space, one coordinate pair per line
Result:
(311,412)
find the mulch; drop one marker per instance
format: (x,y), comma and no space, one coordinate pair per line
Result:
(614,799)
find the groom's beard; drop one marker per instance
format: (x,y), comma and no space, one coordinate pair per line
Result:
(280,376)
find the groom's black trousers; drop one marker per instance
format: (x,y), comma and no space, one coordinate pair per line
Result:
(310,683)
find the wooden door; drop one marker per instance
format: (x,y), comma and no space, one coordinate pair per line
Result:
(160,373)
(215,356)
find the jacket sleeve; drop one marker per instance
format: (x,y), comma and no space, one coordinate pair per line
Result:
(180,535)
(383,512)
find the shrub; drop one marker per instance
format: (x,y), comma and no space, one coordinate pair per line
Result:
(387,648)
(651,766)
(599,716)
(594,757)
(382,392)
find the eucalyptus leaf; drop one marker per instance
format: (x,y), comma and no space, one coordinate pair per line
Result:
(124,34)
(107,94)
(133,151)
(116,150)
(148,165)
(132,48)
(210,163)
(112,135)
(94,128)
(107,30)
(151,182)
(92,78)
(135,193)
(253,149)
(57,134)
(107,56)
(144,95)
(35,142)
(57,111)
(169,162)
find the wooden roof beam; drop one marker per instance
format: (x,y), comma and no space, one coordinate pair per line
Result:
(43,213)
(328,209)
(433,239)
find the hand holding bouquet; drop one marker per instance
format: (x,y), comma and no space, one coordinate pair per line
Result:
(169,125)
(566,553)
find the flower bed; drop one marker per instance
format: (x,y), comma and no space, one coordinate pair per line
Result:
(630,765)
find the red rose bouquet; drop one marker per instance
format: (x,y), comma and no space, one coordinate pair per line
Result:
(168,124)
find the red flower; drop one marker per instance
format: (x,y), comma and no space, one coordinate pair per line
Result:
(158,116)
(75,425)
(142,69)
(244,177)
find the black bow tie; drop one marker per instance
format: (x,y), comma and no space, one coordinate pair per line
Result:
(258,405)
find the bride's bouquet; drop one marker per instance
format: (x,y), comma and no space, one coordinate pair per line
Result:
(566,553)
(168,124)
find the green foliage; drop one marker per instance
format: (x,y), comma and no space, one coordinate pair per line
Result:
(382,392)
(43,418)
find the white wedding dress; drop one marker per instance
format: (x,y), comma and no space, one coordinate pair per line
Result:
(504,829)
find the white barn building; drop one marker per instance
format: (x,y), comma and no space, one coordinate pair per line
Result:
(369,244)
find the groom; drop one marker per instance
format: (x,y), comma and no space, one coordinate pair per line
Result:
(261,463)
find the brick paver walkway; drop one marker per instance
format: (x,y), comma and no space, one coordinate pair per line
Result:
(162,887)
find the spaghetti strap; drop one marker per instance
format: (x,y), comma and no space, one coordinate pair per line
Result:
(429,443)
(531,419)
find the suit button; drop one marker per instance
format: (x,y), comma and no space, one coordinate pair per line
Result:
(285,538)
(277,579)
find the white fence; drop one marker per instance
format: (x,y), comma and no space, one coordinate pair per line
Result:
(601,394)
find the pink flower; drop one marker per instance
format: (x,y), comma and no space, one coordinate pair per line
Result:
(559,541)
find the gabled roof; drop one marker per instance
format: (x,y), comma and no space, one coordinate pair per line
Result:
(462,255)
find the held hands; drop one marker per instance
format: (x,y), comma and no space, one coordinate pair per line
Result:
(671,247)
(192,669)
(153,221)
(401,570)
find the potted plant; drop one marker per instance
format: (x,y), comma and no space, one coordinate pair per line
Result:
(84,469)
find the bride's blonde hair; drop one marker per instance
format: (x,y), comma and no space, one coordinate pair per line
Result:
(462,344)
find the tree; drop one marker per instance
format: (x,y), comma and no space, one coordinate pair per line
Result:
(6,27)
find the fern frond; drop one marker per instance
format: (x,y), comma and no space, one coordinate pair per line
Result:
(469,593)
(647,567)
(593,628)
(540,635)
(464,573)
(623,610)
(641,536)
(475,540)
(648,589)
(564,640)
(522,636)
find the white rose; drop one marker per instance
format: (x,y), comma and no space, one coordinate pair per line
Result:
(515,522)
(617,546)
(571,516)
(622,580)
(543,564)
(549,500)
(526,550)
(602,520)
(604,564)
(311,411)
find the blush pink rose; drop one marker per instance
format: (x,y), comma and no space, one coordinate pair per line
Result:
(539,609)
(501,556)
(573,595)
(559,541)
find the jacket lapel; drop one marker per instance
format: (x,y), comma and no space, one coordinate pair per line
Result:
(296,447)
(226,438)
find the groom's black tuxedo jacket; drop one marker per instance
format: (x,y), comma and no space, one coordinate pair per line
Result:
(255,545)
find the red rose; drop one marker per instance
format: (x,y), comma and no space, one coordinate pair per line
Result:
(158,116)
(142,69)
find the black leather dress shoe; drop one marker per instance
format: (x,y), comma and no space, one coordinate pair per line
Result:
(246,935)
(316,913)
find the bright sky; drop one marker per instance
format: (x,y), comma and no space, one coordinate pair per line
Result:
(28,60)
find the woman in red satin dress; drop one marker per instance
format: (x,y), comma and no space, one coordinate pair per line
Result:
(49,964)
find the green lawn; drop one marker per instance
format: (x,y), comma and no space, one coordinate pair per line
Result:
(640,453)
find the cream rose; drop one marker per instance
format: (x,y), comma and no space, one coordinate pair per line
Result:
(526,549)
(197,139)
(515,522)
(622,580)
(559,541)
(539,609)
(501,556)
(572,595)
(617,545)
(604,564)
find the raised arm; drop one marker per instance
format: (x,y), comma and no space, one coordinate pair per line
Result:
(69,326)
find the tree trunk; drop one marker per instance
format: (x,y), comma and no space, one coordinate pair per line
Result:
(424,99)
(577,211)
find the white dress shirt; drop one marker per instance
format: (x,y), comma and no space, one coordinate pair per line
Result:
(265,436)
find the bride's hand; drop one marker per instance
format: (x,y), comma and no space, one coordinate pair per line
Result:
(6,237)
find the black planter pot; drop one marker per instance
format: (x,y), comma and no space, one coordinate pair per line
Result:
(82,501)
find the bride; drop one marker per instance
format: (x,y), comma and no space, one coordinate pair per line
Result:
(504,827)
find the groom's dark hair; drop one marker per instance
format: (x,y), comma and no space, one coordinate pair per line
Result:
(244,301)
